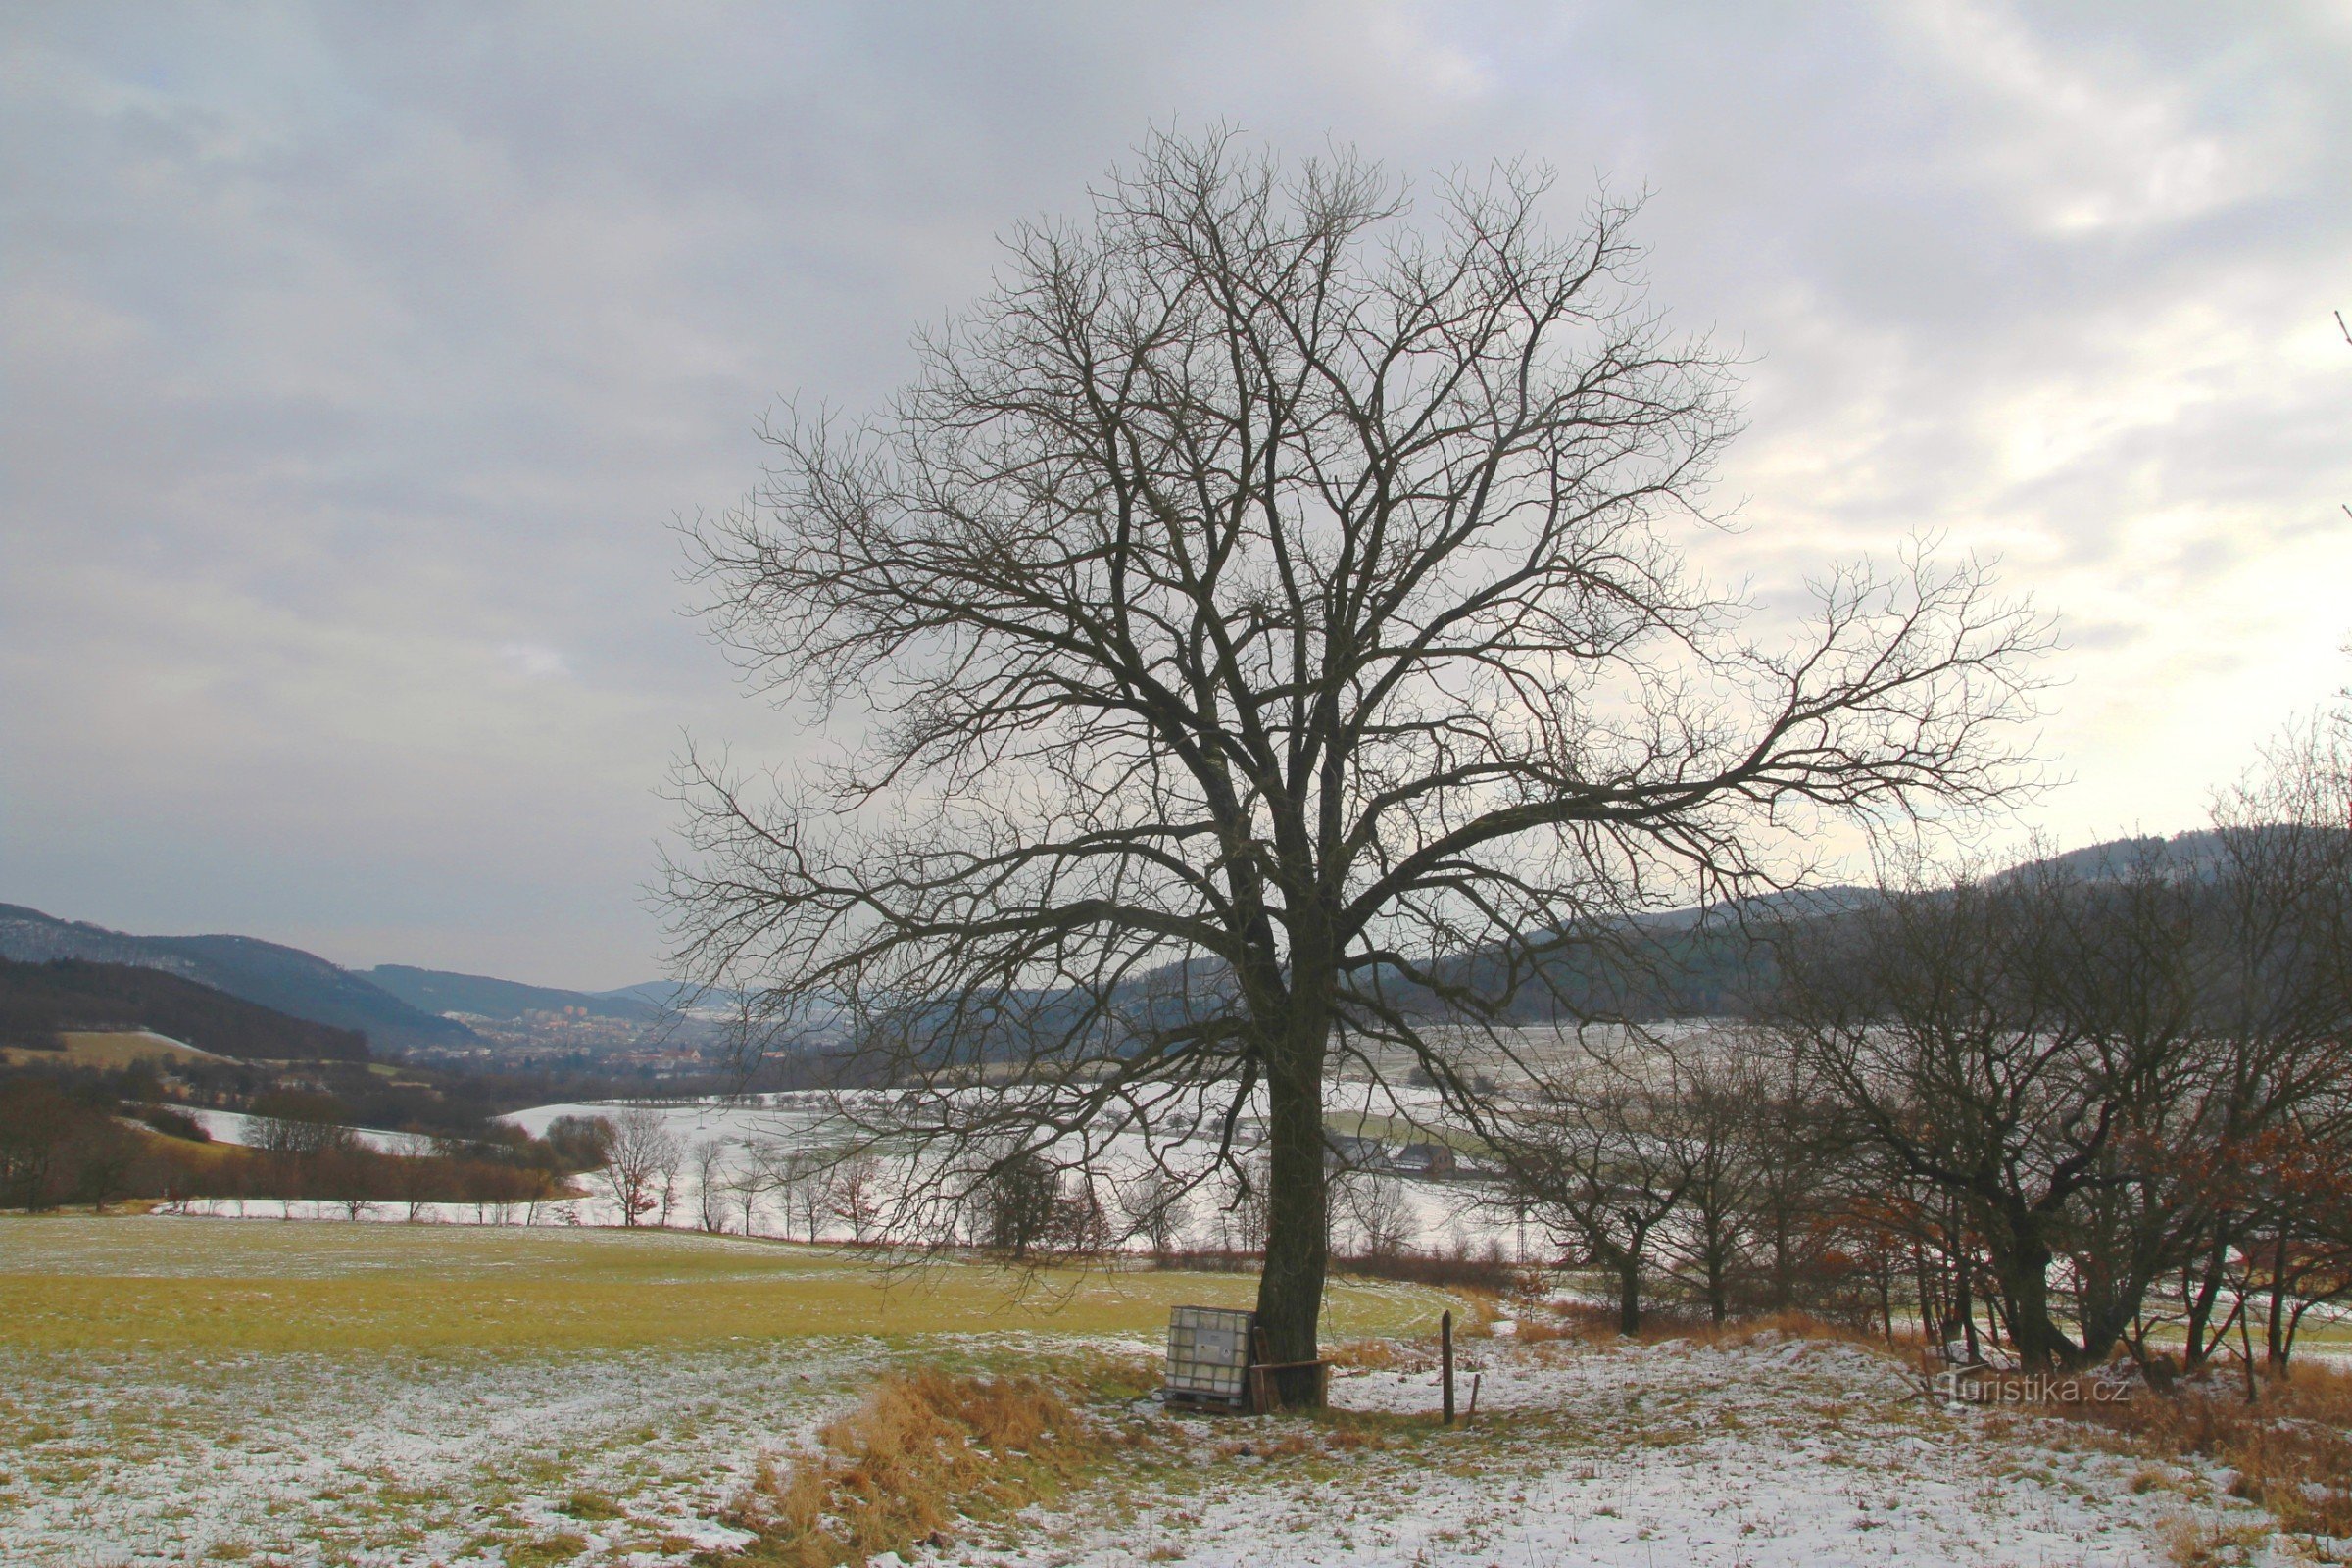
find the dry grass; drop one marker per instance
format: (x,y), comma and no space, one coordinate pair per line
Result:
(2190,1542)
(107,1049)
(2291,1448)
(925,1451)
(1599,1325)
(1367,1356)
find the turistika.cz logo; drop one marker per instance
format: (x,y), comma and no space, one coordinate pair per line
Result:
(1983,1386)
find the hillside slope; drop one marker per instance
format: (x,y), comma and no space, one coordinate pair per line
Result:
(38,1000)
(289,980)
(445,991)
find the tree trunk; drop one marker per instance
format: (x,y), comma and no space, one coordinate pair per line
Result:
(2202,1300)
(1784,1269)
(1290,1290)
(2024,1277)
(1629,1290)
(1967,1305)
(2275,1340)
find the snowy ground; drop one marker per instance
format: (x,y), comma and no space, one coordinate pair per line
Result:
(748,1131)
(1774,1453)
(1780,1452)
(399,1459)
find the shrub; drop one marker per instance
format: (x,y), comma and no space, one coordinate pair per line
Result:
(174,1124)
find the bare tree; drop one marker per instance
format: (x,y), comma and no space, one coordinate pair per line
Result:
(642,1158)
(855,1195)
(1603,1149)
(418,1178)
(805,1179)
(1372,1204)
(764,1168)
(712,1181)
(672,1163)
(1154,1205)
(1241,1209)
(1264,629)
(1723,1086)
(1020,1205)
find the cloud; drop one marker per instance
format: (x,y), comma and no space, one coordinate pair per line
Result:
(360,358)
(532,661)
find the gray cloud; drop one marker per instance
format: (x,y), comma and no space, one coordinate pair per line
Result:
(357,356)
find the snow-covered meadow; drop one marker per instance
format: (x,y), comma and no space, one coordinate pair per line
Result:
(1777,1452)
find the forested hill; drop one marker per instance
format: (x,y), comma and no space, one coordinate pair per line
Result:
(289,980)
(37,1000)
(442,990)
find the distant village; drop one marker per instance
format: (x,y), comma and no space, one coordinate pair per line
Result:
(573,1038)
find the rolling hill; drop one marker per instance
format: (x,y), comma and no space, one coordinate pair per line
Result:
(40,1001)
(289,980)
(443,991)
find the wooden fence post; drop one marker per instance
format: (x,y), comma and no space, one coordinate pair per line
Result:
(1445,1358)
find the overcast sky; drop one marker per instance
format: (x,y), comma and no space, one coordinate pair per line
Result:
(358,357)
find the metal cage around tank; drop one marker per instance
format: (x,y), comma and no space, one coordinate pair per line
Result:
(1209,1356)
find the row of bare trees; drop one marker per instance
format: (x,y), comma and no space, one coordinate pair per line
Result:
(2093,1104)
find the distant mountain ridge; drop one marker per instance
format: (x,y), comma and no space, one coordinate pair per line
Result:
(287,980)
(447,990)
(1707,963)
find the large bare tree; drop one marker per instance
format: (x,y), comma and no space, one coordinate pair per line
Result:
(1262,627)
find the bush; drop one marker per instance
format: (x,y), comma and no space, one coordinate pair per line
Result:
(1459,1269)
(174,1124)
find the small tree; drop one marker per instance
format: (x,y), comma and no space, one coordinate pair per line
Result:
(1154,1207)
(642,1158)
(105,1157)
(351,1175)
(1602,1150)
(713,1182)
(1021,1204)
(856,1196)
(1373,1204)
(581,1143)
(764,1168)
(805,1180)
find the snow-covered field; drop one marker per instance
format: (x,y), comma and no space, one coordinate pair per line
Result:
(749,1134)
(236,1127)
(1772,1453)
(1781,1451)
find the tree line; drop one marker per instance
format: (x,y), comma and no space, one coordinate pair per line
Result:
(2069,1111)
(100,1139)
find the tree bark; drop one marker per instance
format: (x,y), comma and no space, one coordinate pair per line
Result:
(2275,1345)
(1629,1292)
(2025,1276)
(1290,1290)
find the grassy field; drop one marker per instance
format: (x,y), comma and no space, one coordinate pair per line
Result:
(177,1390)
(257,1285)
(104,1050)
(324,1394)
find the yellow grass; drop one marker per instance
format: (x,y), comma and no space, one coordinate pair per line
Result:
(107,1049)
(925,1452)
(268,1285)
